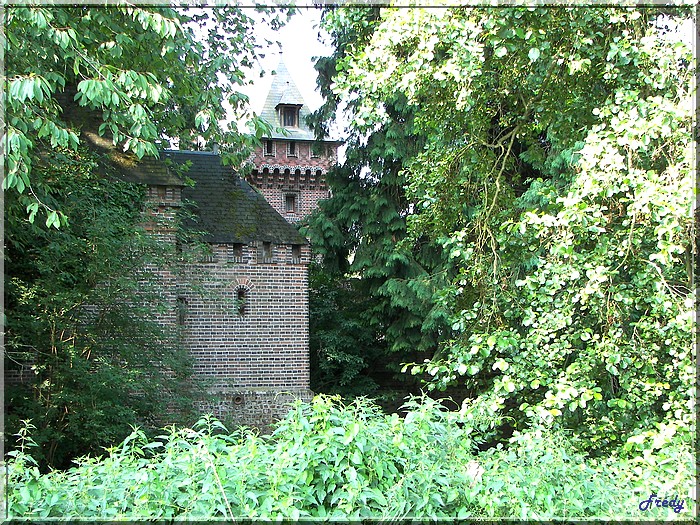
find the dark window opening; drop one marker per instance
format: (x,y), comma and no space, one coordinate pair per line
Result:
(292,149)
(289,117)
(269,147)
(241,302)
(290,203)
(181,311)
(296,252)
(267,251)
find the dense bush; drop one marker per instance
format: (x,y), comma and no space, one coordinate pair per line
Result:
(330,460)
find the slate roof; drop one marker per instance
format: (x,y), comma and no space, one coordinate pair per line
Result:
(284,91)
(228,208)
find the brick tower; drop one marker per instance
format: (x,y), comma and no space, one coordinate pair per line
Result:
(290,167)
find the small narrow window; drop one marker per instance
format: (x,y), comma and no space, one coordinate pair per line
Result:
(290,203)
(181,311)
(269,148)
(316,151)
(267,251)
(292,149)
(241,300)
(296,253)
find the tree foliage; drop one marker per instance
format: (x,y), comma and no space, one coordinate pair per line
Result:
(82,308)
(149,73)
(345,356)
(361,231)
(82,301)
(550,160)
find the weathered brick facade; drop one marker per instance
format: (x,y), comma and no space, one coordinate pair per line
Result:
(292,193)
(242,311)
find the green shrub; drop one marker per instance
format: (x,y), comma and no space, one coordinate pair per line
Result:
(332,460)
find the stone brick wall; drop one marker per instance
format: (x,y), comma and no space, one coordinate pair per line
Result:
(304,189)
(20,371)
(301,177)
(247,327)
(303,158)
(259,408)
(161,208)
(243,315)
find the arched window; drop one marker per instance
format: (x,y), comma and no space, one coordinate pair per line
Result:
(241,301)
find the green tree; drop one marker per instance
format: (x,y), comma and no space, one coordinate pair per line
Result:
(81,307)
(82,316)
(149,74)
(554,171)
(361,231)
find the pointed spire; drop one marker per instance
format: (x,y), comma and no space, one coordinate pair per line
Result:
(283,89)
(284,92)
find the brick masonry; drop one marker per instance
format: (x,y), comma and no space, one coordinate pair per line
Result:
(242,312)
(248,328)
(300,177)
(262,407)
